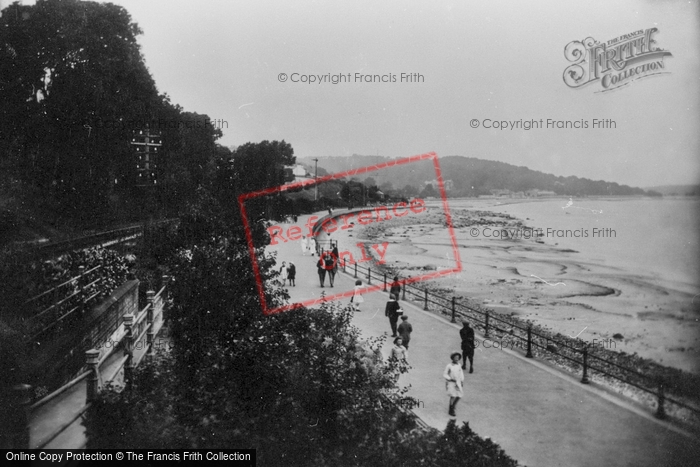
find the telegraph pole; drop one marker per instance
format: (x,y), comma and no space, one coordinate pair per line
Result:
(147,145)
(316,179)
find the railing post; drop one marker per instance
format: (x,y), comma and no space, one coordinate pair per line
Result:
(92,358)
(584,379)
(486,326)
(355,270)
(384,282)
(14,431)
(164,297)
(660,410)
(129,348)
(369,275)
(425,306)
(529,341)
(453,310)
(151,297)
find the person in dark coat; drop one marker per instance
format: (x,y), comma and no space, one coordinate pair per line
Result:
(393,311)
(331,262)
(291,274)
(321,268)
(467,335)
(405,330)
(395,289)
(336,256)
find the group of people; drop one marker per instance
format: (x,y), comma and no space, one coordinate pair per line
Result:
(288,273)
(402,332)
(309,244)
(454,372)
(327,264)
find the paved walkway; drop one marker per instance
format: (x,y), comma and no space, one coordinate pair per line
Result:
(63,411)
(539,415)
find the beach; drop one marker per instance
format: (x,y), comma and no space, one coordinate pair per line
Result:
(599,268)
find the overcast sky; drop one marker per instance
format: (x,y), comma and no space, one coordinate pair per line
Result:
(500,60)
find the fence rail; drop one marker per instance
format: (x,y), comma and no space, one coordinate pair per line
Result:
(134,347)
(105,238)
(485,320)
(489,322)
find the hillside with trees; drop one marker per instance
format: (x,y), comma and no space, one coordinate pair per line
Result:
(474,177)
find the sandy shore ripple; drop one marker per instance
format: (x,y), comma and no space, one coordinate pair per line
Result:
(560,288)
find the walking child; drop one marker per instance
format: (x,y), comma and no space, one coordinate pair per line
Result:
(357,296)
(454,380)
(405,330)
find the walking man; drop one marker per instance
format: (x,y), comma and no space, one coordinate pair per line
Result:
(321,268)
(393,311)
(292,274)
(395,289)
(329,263)
(467,335)
(405,330)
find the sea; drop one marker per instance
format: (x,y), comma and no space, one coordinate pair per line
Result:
(647,236)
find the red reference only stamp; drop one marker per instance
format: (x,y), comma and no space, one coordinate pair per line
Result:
(362,216)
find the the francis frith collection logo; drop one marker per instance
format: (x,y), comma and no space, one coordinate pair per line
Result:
(615,63)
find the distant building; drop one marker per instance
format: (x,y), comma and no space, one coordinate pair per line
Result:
(539,193)
(300,171)
(449,185)
(498,193)
(293,172)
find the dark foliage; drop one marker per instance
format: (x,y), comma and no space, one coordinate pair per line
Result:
(300,387)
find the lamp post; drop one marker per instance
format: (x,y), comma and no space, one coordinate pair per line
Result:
(316,180)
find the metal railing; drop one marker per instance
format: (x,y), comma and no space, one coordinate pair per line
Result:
(532,341)
(104,239)
(135,341)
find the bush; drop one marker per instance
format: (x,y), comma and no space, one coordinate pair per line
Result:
(301,387)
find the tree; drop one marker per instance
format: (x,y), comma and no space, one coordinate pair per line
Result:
(301,387)
(257,166)
(73,89)
(71,73)
(409,191)
(428,191)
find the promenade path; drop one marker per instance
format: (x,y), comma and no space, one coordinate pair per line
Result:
(538,414)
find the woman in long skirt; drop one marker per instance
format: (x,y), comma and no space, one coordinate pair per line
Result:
(454,379)
(283,273)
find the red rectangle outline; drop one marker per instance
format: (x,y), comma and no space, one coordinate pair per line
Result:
(251,247)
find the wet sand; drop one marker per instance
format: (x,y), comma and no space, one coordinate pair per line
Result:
(556,287)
